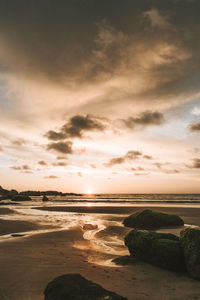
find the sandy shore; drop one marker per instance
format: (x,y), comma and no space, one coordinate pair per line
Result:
(190,215)
(29,263)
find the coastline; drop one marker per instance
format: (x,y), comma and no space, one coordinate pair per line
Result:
(29,263)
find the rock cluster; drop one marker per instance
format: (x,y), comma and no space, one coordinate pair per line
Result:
(165,250)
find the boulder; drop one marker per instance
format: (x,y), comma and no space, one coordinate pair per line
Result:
(21,198)
(160,249)
(190,242)
(148,219)
(76,287)
(45,198)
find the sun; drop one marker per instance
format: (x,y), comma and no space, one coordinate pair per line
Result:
(89,192)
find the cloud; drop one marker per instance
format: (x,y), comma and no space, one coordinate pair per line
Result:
(62,147)
(19,142)
(196,164)
(55,136)
(138,169)
(196,111)
(60,164)
(51,177)
(76,127)
(175,171)
(133,154)
(156,19)
(151,47)
(149,157)
(194,127)
(115,161)
(145,119)
(93,166)
(130,155)
(42,163)
(23,168)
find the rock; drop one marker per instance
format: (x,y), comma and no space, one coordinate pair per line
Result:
(190,242)
(124,260)
(17,235)
(45,198)
(76,287)
(89,226)
(148,219)
(21,198)
(160,249)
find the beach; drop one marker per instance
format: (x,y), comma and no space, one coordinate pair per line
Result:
(29,262)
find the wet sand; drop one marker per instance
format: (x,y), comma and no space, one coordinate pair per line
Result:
(5,211)
(190,215)
(29,263)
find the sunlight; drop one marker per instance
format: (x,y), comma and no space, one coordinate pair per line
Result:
(89,192)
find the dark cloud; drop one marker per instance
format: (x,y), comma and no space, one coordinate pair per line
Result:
(81,40)
(133,154)
(195,164)
(60,164)
(78,124)
(130,155)
(76,127)
(55,136)
(145,119)
(42,163)
(138,169)
(21,168)
(194,127)
(149,157)
(115,161)
(51,177)
(62,147)
(61,157)
(160,165)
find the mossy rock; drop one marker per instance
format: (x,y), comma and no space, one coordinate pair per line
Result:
(148,219)
(190,242)
(160,249)
(76,287)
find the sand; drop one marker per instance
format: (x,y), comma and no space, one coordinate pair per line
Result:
(29,263)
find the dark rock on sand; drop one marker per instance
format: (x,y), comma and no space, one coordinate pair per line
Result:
(89,226)
(17,235)
(125,260)
(148,219)
(160,249)
(21,198)
(45,198)
(190,242)
(76,287)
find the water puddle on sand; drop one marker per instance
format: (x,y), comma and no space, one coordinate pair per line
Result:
(102,248)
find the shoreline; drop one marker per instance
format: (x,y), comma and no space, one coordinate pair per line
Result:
(29,263)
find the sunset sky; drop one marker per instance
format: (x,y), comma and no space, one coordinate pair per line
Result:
(100,95)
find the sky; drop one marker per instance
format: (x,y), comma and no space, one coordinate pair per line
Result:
(100,96)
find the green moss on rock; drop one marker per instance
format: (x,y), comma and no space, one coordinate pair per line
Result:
(190,242)
(160,249)
(148,219)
